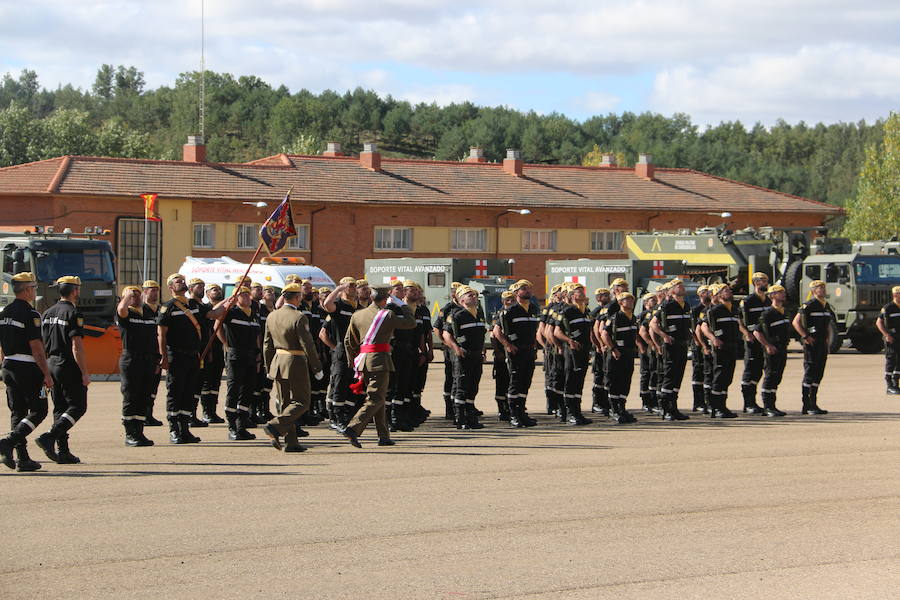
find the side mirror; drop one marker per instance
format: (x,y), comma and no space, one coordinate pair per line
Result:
(19,261)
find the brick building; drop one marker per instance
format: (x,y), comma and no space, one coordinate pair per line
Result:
(351,208)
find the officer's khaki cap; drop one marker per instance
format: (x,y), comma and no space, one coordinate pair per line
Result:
(347,280)
(362,282)
(780,288)
(23,277)
(130,288)
(70,279)
(525,282)
(150,284)
(619,281)
(242,281)
(759,275)
(303,282)
(664,287)
(243,290)
(291,287)
(599,291)
(195,281)
(816,283)
(173,277)
(574,285)
(718,288)
(507,294)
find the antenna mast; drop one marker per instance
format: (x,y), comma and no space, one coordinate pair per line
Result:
(202,72)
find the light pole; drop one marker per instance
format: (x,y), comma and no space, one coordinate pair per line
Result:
(518,211)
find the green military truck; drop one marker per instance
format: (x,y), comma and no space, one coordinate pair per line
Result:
(51,255)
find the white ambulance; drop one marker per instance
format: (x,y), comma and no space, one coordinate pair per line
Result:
(271,270)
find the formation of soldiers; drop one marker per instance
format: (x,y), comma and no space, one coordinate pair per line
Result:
(357,354)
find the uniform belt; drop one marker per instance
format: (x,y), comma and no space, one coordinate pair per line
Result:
(291,352)
(368,348)
(21,357)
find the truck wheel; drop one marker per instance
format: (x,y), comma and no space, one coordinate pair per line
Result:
(868,344)
(793,275)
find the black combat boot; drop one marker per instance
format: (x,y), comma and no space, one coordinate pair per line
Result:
(516,416)
(624,417)
(6,449)
(472,417)
(24,464)
(552,401)
(65,455)
(813,404)
(892,388)
(768,399)
(529,421)
(195,422)
(659,403)
(502,410)
(575,416)
(152,421)
(750,405)
(460,416)
(722,411)
(449,410)
(130,437)
(398,420)
(674,413)
(208,402)
(601,404)
(562,410)
(645,401)
(699,400)
(47,443)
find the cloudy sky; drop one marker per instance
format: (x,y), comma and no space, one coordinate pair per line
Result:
(812,60)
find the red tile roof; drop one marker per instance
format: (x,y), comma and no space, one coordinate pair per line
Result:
(400,181)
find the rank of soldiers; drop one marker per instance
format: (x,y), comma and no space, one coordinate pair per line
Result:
(358,354)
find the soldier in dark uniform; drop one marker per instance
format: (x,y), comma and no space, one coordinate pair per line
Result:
(501,371)
(552,349)
(25,371)
(197,292)
(698,351)
(574,330)
(213,364)
(180,335)
(814,322)
(672,323)
(599,391)
(438,326)
(648,355)
(263,392)
(241,328)
(404,348)
(150,290)
(751,308)
(721,326)
(517,332)
(138,362)
(340,305)
(620,335)
(61,328)
(315,319)
(888,324)
(557,350)
(464,335)
(363,293)
(618,286)
(423,352)
(774,333)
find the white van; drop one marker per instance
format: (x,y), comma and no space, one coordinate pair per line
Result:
(271,270)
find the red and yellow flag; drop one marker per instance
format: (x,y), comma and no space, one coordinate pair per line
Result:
(151,207)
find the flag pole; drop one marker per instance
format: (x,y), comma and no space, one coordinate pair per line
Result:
(146,229)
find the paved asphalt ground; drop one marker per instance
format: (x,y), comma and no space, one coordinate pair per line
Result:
(799,507)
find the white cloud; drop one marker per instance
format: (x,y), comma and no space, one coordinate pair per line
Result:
(600,102)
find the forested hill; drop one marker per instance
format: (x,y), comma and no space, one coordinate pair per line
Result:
(247,118)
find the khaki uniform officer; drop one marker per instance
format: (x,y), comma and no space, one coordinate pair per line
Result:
(368,337)
(289,353)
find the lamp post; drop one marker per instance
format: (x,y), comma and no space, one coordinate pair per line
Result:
(518,211)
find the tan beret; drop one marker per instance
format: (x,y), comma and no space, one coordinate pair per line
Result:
(23,277)
(70,279)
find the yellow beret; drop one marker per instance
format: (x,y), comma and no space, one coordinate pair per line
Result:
(574,285)
(130,288)
(150,284)
(348,280)
(291,287)
(703,288)
(517,286)
(555,288)
(256,284)
(302,282)
(619,281)
(195,281)
(362,282)
(173,277)
(664,286)
(324,290)
(455,285)
(718,288)
(72,279)
(624,295)
(213,286)
(816,283)
(599,291)
(267,288)
(291,277)
(780,288)
(507,294)
(675,282)
(759,275)
(242,281)
(463,290)
(26,276)
(647,296)
(525,282)
(895,289)
(243,290)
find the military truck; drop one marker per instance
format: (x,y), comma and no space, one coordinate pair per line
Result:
(50,255)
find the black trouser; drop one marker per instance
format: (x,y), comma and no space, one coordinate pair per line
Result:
(262,391)
(467,374)
(619,372)
(69,394)
(420,375)
(401,381)
(814,358)
(501,375)
(27,407)
(181,383)
(673,360)
(448,372)
(241,386)
(549,387)
(213,367)
(892,359)
(154,387)
(575,368)
(648,372)
(773,370)
(342,375)
(138,375)
(754,359)
(600,388)
(698,368)
(521,370)
(724,359)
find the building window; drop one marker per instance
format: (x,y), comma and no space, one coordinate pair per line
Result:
(204,235)
(468,240)
(130,250)
(539,240)
(606,241)
(393,238)
(247,236)
(301,240)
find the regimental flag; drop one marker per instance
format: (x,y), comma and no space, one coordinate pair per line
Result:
(151,207)
(278,228)
(481,268)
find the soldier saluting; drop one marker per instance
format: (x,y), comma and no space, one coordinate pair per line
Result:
(25,371)
(138,363)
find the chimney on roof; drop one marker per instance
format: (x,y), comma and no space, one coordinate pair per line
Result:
(369,157)
(608,161)
(194,150)
(476,155)
(512,164)
(333,149)
(644,167)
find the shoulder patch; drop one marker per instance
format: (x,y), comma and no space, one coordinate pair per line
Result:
(163,309)
(37,322)
(80,321)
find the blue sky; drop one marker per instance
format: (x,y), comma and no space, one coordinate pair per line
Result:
(812,60)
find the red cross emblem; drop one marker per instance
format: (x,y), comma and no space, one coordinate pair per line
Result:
(658,270)
(481,269)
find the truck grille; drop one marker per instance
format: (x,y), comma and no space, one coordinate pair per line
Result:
(876,297)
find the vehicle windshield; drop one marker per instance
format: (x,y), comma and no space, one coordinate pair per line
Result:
(90,264)
(883,270)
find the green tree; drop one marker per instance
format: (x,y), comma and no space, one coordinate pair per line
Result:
(874,212)
(15,132)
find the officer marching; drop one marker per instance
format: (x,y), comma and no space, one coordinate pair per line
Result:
(138,363)
(888,324)
(25,371)
(814,322)
(241,327)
